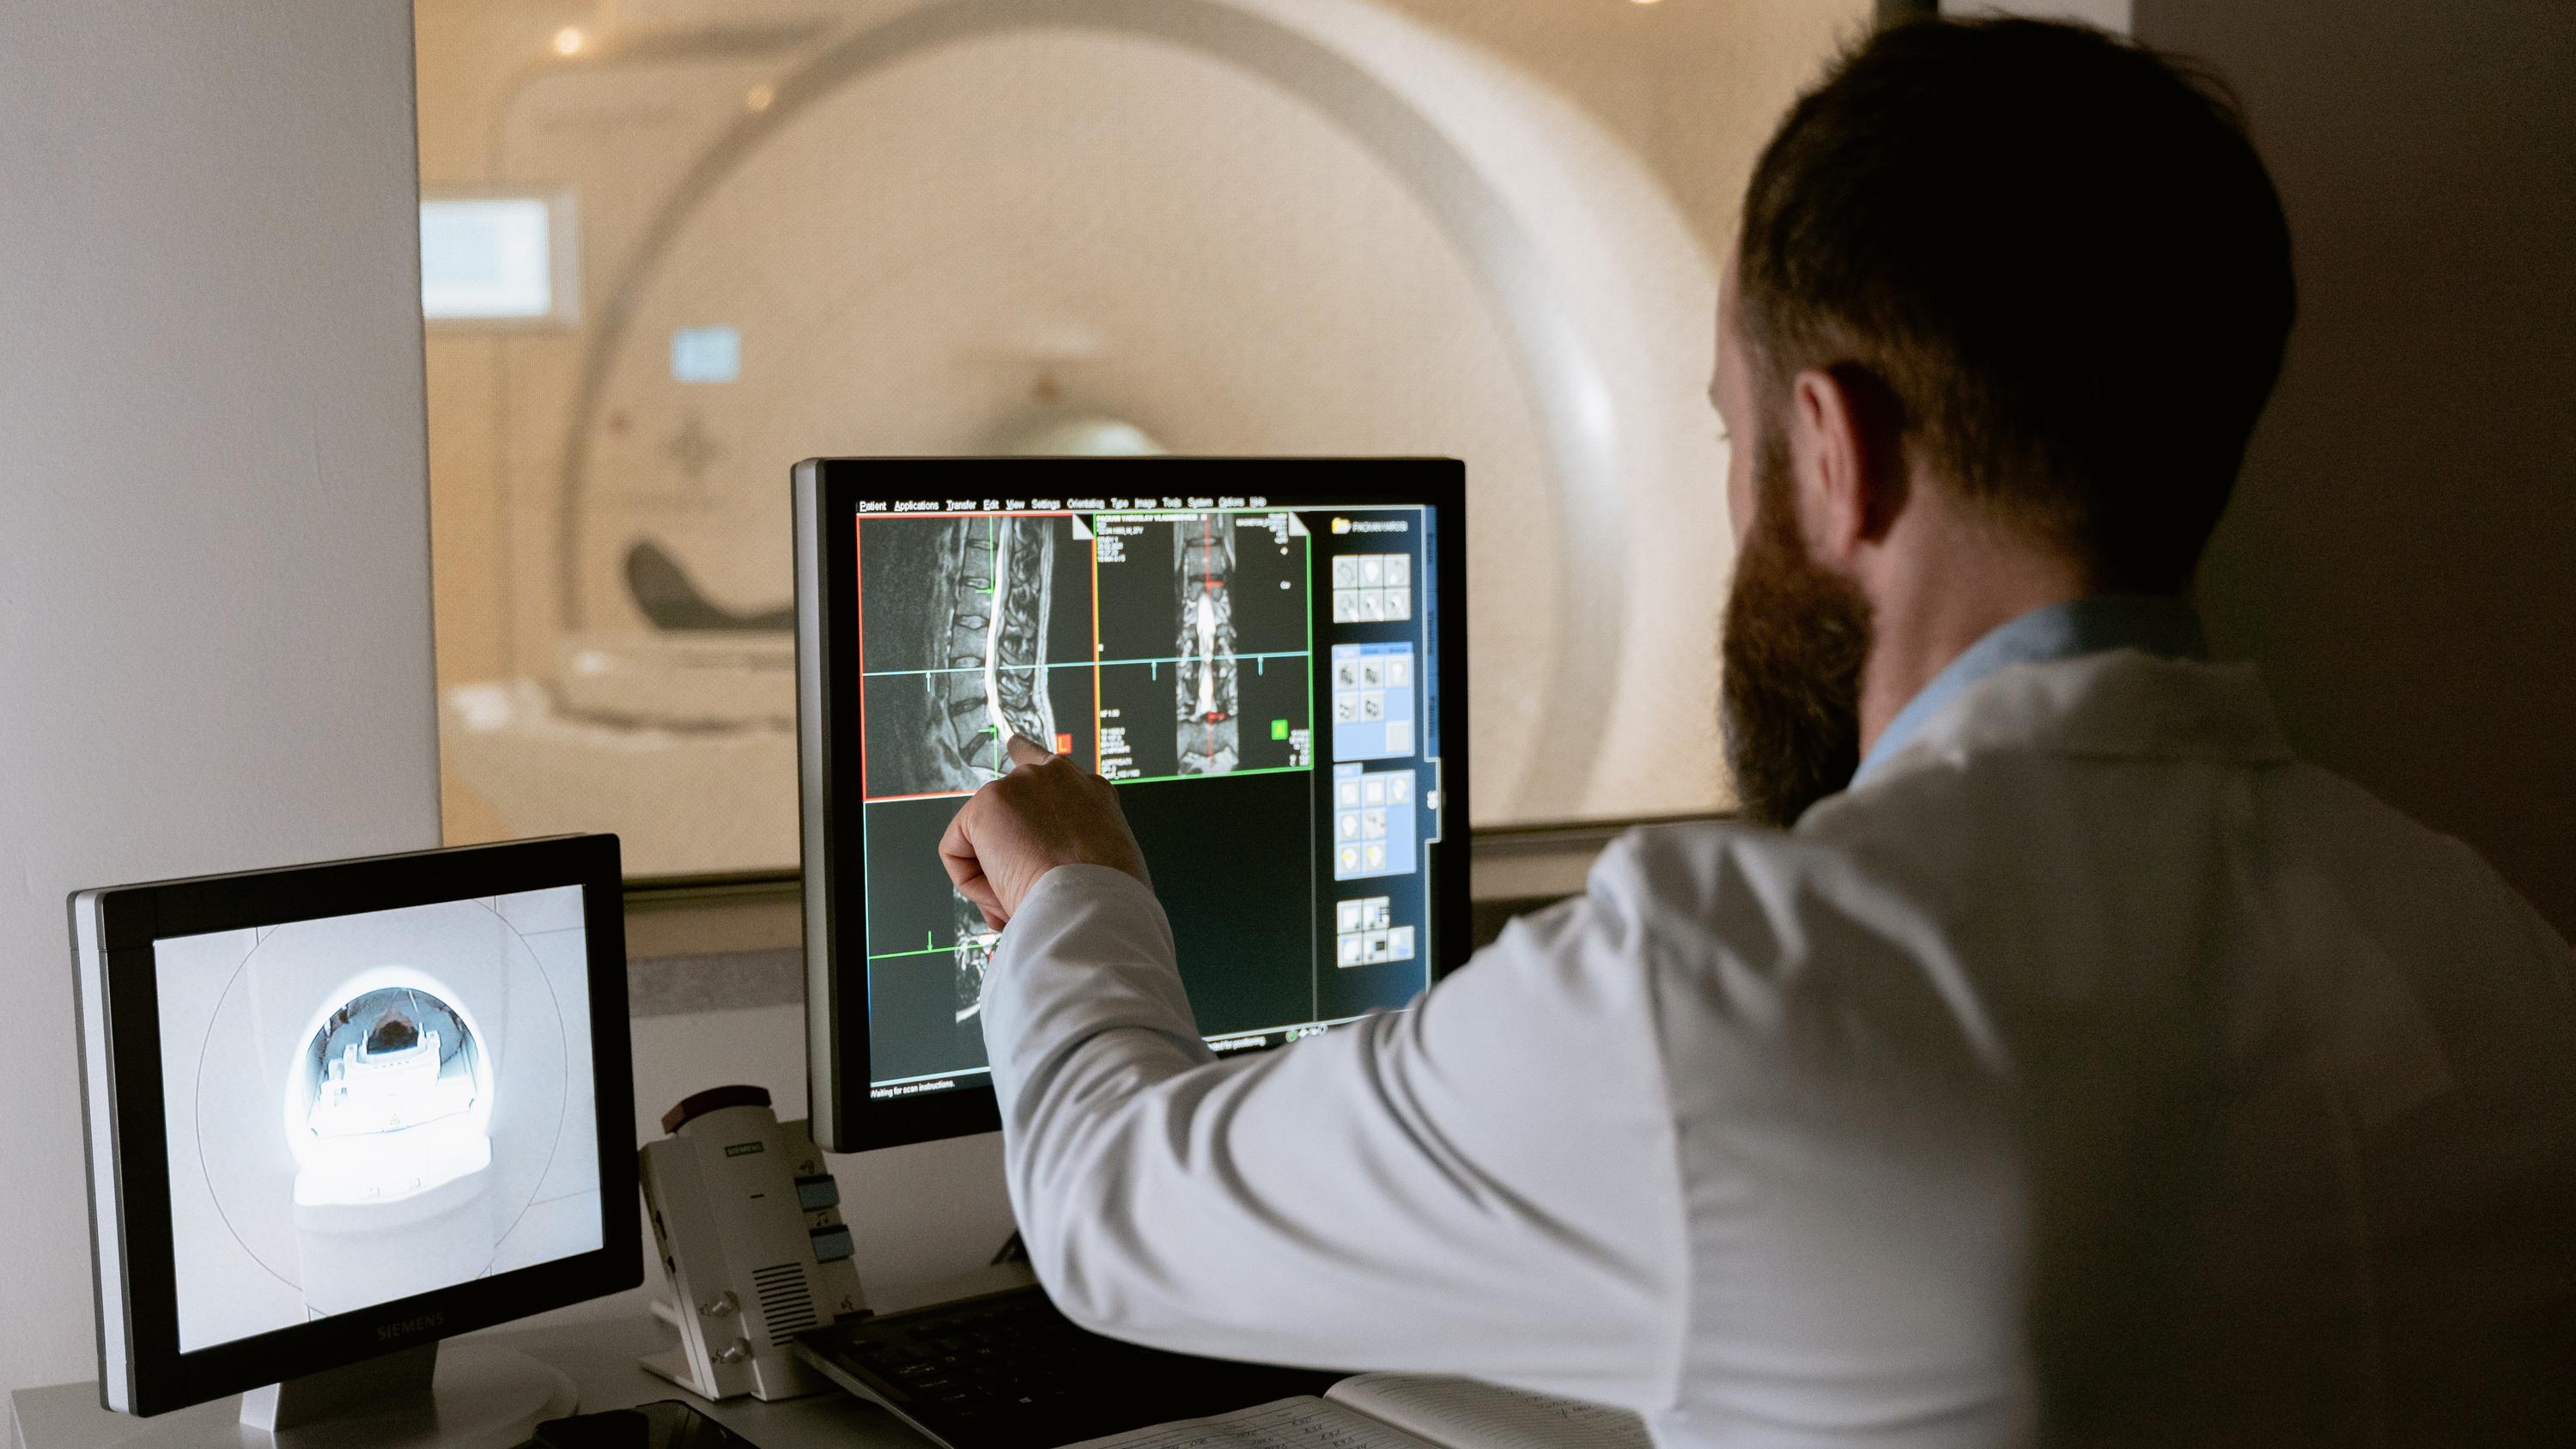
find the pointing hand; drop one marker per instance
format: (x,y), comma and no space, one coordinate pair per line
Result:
(1046,812)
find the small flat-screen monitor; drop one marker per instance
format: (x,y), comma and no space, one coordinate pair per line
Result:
(1263,655)
(340,1110)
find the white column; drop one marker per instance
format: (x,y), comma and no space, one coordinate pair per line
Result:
(214,532)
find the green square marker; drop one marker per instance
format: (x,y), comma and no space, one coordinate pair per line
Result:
(1279,729)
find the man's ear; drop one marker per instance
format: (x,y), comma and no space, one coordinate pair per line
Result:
(1850,457)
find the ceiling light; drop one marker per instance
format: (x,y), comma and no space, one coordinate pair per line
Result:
(570,40)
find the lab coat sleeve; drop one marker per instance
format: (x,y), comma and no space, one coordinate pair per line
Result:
(1485,1184)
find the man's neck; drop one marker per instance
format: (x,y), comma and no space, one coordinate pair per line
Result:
(1922,619)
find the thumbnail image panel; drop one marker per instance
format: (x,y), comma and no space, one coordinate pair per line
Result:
(965,626)
(1381,951)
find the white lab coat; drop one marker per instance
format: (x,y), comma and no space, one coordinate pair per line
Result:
(2094,1073)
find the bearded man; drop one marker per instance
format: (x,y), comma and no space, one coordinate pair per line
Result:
(2047,1056)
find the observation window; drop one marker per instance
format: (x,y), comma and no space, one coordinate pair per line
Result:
(850,227)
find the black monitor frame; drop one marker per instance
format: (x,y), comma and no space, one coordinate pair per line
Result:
(828,492)
(122,926)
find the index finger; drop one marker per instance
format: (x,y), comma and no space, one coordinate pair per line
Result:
(1026,751)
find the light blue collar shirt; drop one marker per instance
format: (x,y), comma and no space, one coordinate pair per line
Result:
(2163,627)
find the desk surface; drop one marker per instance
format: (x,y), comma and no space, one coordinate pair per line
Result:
(599,1357)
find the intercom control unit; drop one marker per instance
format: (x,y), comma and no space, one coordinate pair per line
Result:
(747,1221)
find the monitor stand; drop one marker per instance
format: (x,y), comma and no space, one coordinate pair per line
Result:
(464,1393)
(469,1394)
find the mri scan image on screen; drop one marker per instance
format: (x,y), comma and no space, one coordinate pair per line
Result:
(365,1107)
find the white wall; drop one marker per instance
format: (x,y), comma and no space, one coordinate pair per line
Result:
(2398,555)
(214,592)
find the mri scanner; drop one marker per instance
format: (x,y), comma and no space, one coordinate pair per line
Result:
(389,1117)
(969,226)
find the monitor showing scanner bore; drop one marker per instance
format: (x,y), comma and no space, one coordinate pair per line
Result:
(1262,654)
(340,1110)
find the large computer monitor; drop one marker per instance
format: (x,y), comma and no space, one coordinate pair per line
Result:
(1264,655)
(339,1112)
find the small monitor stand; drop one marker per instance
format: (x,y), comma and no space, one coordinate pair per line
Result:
(451,1395)
(454,1395)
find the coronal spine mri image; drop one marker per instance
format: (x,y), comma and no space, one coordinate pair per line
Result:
(1207,740)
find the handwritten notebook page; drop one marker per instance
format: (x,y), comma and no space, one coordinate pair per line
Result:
(1466,1414)
(1300,1423)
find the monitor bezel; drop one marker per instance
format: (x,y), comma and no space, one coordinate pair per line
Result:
(828,492)
(115,950)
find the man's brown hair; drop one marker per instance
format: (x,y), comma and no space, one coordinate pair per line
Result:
(2059,254)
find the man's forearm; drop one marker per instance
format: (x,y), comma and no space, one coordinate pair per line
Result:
(1352,1200)
(1083,1007)
(1089,952)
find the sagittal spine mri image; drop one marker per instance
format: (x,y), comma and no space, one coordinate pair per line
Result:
(1207,739)
(966,624)
(958,653)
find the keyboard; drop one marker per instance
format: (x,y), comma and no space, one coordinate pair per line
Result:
(1008,1371)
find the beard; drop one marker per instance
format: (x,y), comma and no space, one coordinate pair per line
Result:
(1795,639)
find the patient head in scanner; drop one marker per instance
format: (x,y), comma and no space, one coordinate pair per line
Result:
(388,1115)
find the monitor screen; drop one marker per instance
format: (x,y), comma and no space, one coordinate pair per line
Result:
(1259,674)
(360,1108)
